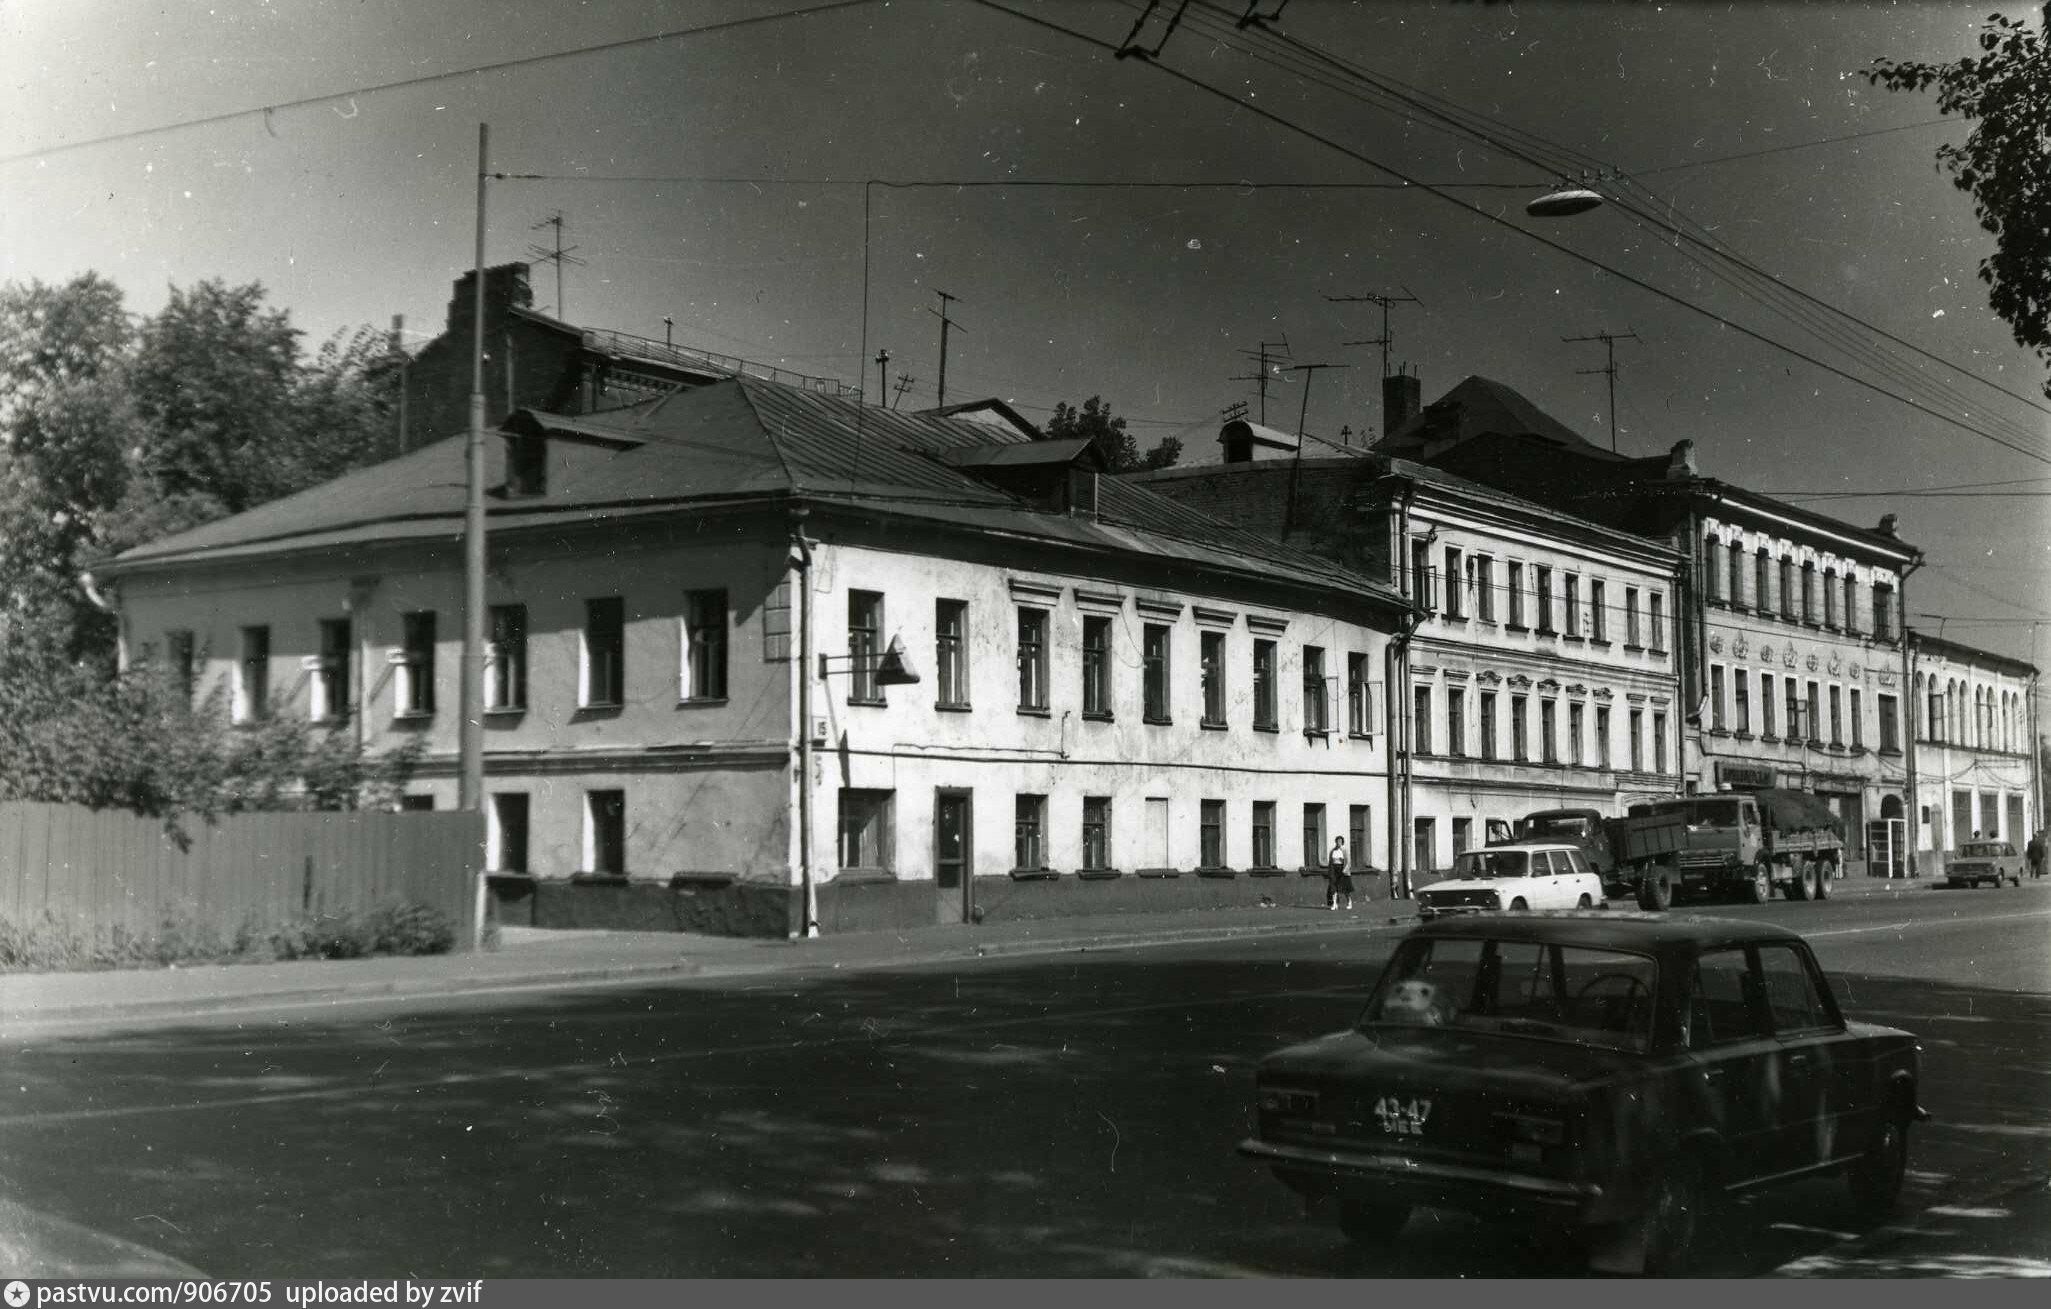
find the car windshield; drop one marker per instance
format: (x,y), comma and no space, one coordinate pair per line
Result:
(1492,863)
(1560,825)
(1983,850)
(1582,994)
(1705,813)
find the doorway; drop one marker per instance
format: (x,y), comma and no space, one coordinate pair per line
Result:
(953,855)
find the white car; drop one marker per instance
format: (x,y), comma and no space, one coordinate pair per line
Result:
(1523,875)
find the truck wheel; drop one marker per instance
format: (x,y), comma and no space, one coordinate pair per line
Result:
(1372,1226)
(1655,891)
(1797,884)
(1758,889)
(1826,873)
(1875,1180)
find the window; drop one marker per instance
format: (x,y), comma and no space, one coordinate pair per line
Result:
(1716,697)
(331,679)
(1787,587)
(1933,726)
(1211,834)
(526,465)
(1598,610)
(1576,722)
(1358,721)
(1658,621)
(1314,716)
(505,669)
(1264,685)
(1883,611)
(1154,652)
(416,668)
(1548,722)
(605,832)
(1631,633)
(1488,724)
(179,661)
(1096,666)
(1359,822)
(1520,747)
(1314,831)
(1516,594)
(1808,591)
(1858,722)
(1029,832)
(1456,721)
(1211,666)
(1658,741)
(1712,571)
(1032,658)
(1851,602)
(1741,692)
(1602,756)
(1720,1008)
(1264,834)
(1485,588)
(506,842)
(1543,578)
(605,651)
(1421,718)
(1812,725)
(951,654)
(1890,725)
(416,804)
(1463,836)
(1424,841)
(253,676)
(1637,740)
(1737,576)
(1830,600)
(1762,579)
(1796,725)
(1421,588)
(704,662)
(1453,596)
(1096,832)
(1572,587)
(864,645)
(865,830)
(1766,703)
(1836,717)
(1790,991)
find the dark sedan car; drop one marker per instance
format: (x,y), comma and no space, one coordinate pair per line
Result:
(1616,1073)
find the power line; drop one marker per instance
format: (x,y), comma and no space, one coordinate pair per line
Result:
(1798,145)
(428,79)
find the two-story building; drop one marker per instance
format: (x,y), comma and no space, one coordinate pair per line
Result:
(1975,762)
(762,658)
(1540,670)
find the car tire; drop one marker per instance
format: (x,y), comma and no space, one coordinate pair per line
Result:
(1759,888)
(1674,1218)
(1585,902)
(1371,1226)
(1875,1180)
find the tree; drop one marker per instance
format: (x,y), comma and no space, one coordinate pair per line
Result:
(1106,433)
(2004,164)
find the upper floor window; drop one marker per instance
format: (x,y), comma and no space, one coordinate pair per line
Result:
(1716,697)
(253,676)
(1548,731)
(1543,577)
(1421,720)
(864,645)
(1658,620)
(1658,742)
(1631,632)
(1421,589)
(1741,693)
(1314,695)
(1830,599)
(704,661)
(1809,614)
(1488,724)
(1890,724)
(331,679)
(1787,587)
(1520,744)
(1713,588)
(416,667)
(951,653)
(1096,666)
(1598,610)
(1516,594)
(1264,684)
(1737,575)
(1456,722)
(1154,653)
(1485,588)
(1602,735)
(1032,658)
(1762,581)
(1213,673)
(1453,597)
(505,669)
(1883,611)
(605,651)
(1637,740)
(1851,602)
(1572,587)
(1359,712)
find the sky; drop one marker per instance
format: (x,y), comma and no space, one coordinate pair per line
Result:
(743,177)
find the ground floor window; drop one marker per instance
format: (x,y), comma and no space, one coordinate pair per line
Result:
(1425,838)
(605,832)
(1359,823)
(1029,841)
(1096,831)
(1211,835)
(1313,836)
(1264,834)
(506,842)
(1463,835)
(865,823)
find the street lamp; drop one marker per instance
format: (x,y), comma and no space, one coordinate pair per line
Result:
(1563,203)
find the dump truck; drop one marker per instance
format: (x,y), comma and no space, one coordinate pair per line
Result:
(1742,844)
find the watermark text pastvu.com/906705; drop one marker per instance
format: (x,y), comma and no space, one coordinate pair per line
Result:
(398,1293)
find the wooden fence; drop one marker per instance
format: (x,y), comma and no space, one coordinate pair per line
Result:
(96,871)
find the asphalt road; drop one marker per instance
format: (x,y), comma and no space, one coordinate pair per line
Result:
(1057,1116)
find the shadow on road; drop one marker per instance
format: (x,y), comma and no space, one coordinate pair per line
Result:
(1071,1117)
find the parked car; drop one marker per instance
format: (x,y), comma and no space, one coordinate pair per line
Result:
(1586,828)
(1527,875)
(1616,1074)
(1984,861)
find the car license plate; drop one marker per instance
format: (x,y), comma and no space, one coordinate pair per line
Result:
(1402,1117)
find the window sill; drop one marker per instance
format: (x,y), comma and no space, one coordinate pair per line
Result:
(700,701)
(598,879)
(1096,717)
(1741,736)
(1209,726)
(602,706)
(398,720)
(330,720)
(945,708)
(702,881)
(877,703)
(1267,870)
(1630,648)
(1889,752)
(1602,641)
(1033,875)
(1266,727)
(1719,731)
(591,712)
(1220,872)
(1098,874)
(1360,736)
(1035,711)
(1316,734)
(1515,627)
(1768,738)
(1546,631)
(506,711)
(1158,872)
(1153,720)
(864,876)
(1575,637)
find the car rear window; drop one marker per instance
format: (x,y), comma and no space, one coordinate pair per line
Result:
(1574,993)
(1492,863)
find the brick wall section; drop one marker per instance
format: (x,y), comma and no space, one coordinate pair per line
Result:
(541,359)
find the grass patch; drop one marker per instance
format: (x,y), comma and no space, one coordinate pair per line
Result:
(50,945)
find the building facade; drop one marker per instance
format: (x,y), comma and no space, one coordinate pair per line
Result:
(1974,743)
(703,614)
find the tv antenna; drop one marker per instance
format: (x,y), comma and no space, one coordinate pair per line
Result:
(1609,341)
(1387,338)
(559,255)
(945,324)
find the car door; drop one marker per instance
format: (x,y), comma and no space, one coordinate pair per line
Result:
(1819,1082)
(1581,880)
(1731,1044)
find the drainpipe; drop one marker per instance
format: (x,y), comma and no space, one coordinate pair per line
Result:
(1908,694)
(1397,708)
(810,925)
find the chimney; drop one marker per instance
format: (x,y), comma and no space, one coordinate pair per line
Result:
(1680,465)
(1402,398)
(1887,525)
(505,287)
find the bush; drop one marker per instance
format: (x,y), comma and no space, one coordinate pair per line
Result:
(50,945)
(410,929)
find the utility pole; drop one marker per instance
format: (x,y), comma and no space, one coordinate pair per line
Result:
(470,789)
(1269,354)
(904,383)
(945,323)
(668,324)
(1609,341)
(882,373)
(1387,338)
(396,348)
(559,256)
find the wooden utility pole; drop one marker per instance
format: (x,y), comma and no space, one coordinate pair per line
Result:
(945,324)
(904,383)
(1387,338)
(1609,341)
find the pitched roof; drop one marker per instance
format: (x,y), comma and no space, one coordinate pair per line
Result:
(735,441)
(1478,406)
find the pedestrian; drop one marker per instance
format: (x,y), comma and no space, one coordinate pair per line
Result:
(1338,881)
(2037,854)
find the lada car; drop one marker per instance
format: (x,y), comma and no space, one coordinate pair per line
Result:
(1522,875)
(1984,861)
(1615,1075)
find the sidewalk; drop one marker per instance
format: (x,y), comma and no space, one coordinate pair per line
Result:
(529,957)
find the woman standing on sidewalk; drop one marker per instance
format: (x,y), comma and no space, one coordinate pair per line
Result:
(1338,881)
